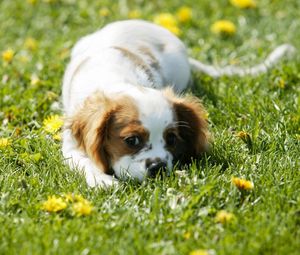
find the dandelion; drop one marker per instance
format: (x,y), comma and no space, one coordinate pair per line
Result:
(74,198)
(4,143)
(104,12)
(134,14)
(79,198)
(243,4)
(199,252)
(243,135)
(8,55)
(184,14)
(54,204)
(223,27)
(82,208)
(242,184)
(30,44)
(224,217)
(168,21)
(246,138)
(57,137)
(52,124)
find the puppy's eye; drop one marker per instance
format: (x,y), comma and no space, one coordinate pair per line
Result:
(133,141)
(171,139)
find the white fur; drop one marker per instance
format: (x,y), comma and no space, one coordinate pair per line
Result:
(96,65)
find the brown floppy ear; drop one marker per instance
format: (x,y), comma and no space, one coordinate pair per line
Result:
(89,127)
(192,125)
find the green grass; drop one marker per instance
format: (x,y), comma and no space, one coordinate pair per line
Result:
(175,215)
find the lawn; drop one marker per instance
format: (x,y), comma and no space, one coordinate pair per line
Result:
(255,122)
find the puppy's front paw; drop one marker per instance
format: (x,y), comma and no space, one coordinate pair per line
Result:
(101,180)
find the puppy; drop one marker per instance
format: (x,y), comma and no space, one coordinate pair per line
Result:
(125,118)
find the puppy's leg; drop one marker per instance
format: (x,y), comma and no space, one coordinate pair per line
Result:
(77,159)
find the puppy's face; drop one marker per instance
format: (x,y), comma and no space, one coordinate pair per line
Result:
(142,135)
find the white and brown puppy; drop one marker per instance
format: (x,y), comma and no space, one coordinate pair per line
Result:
(124,119)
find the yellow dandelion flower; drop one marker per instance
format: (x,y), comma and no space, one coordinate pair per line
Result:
(184,14)
(134,14)
(54,204)
(8,55)
(30,44)
(243,135)
(52,124)
(57,137)
(243,4)
(70,197)
(224,217)
(4,142)
(167,21)
(223,27)
(199,252)
(242,184)
(80,198)
(104,12)
(82,208)
(174,29)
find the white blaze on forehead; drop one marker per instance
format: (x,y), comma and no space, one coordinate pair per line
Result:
(155,112)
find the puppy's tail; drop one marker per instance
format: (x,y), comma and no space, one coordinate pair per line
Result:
(272,58)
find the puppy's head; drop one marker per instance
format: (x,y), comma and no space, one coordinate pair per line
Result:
(142,134)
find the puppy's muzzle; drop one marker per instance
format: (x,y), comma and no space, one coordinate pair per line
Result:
(155,167)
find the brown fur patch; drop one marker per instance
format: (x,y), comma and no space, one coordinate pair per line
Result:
(193,135)
(152,59)
(101,125)
(121,128)
(136,60)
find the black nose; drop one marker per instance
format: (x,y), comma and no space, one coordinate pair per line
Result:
(155,166)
